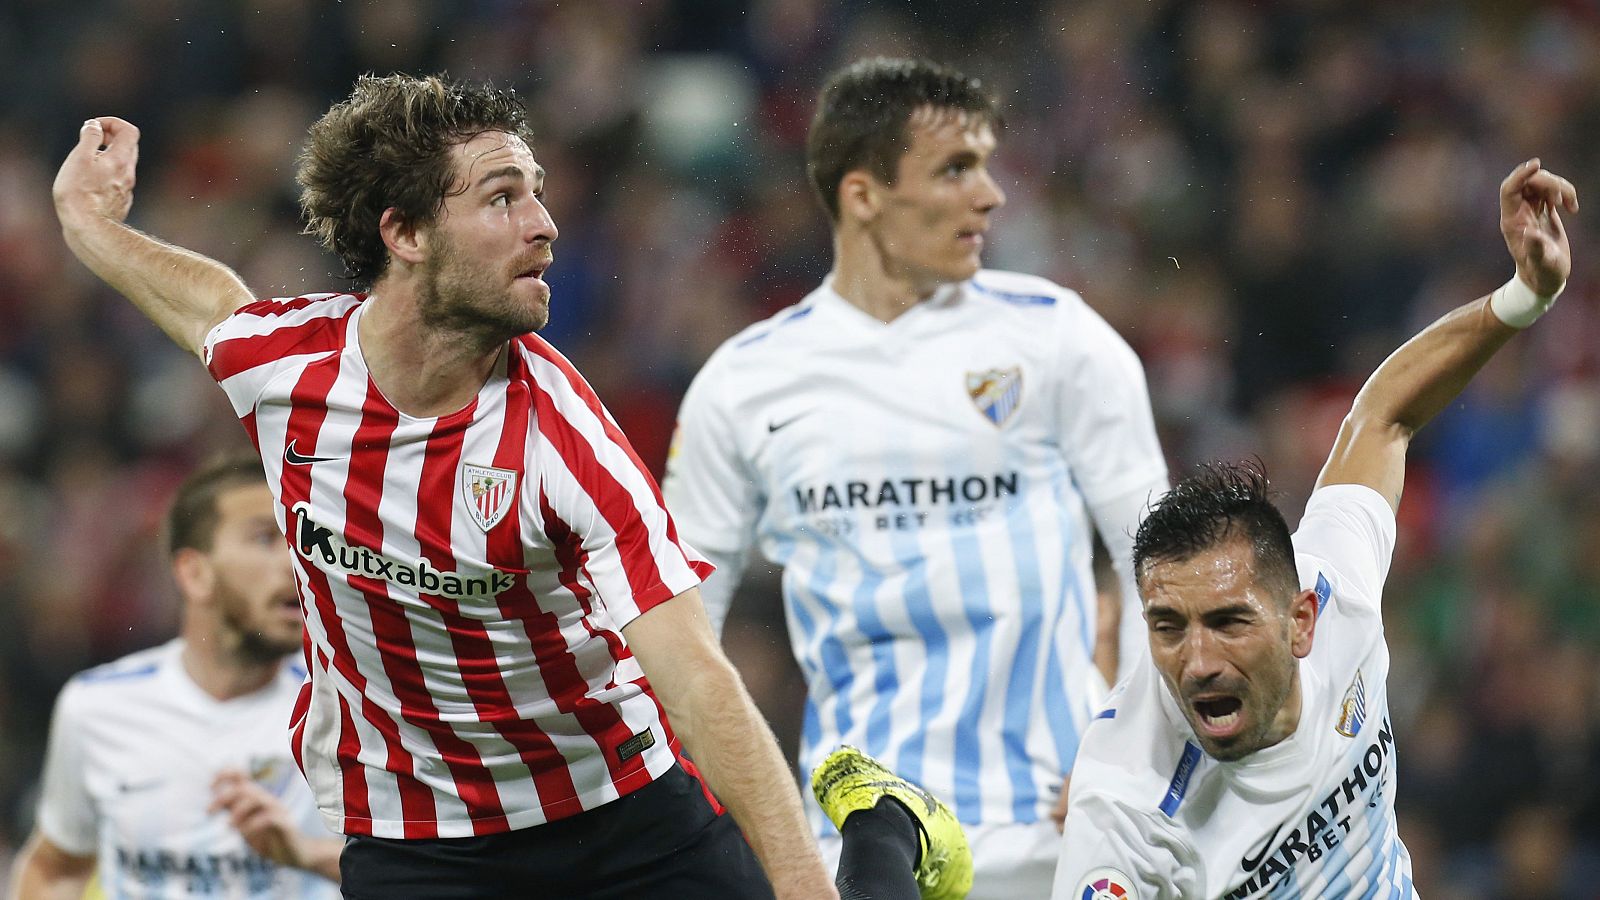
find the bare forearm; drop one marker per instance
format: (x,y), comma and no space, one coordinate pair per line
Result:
(1408,389)
(45,874)
(182,292)
(320,856)
(739,757)
(1421,378)
(31,884)
(717,721)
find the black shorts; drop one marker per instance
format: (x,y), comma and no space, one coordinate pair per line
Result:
(663,840)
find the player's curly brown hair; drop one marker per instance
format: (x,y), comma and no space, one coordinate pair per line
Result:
(387,146)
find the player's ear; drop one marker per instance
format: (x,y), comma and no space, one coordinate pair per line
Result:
(1303,622)
(859,196)
(195,575)
(407,242)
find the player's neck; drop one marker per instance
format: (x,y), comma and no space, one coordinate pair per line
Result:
(422,371)
(1287,720)
(224,675)
(863,277)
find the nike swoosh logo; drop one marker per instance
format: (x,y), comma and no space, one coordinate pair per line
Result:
(293,458)
(922,795)
(775,427)
(1249,863)
(135,787)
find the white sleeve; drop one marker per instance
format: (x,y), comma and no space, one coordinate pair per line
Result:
(717,591)
(1104,841)
(67,814)
(1117,519)
(711,491)
(1352,528)
(1108,432)
(262,340)
(1108,435)
(597,489)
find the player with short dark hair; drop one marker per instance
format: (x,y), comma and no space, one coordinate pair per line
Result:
(153,756)
(1219,502)
(864,118)
(1251,754)
(508,654)
(927,447)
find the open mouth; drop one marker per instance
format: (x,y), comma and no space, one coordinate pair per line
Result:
(1219,715)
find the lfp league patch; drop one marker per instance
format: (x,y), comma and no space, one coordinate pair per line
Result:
(488,492)
(1106,883)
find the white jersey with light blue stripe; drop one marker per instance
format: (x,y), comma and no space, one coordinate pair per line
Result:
(134,747)
(927,485)
(1312,816)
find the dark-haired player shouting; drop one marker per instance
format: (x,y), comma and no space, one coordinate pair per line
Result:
(1252,753)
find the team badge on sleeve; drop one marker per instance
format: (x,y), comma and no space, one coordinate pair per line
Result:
(1107,884)
(996,392)
(488,492)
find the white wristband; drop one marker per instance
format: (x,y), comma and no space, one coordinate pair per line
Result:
(1515,304)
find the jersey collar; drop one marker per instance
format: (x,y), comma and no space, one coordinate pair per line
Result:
(944,297)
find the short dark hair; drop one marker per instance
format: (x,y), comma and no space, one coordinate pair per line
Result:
(863,111)
(1220,502)
(388,145)
(193,516)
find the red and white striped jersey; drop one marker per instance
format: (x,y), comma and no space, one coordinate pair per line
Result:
(465,580)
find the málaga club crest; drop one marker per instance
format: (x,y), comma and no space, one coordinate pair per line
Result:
(996,392)
(488,492)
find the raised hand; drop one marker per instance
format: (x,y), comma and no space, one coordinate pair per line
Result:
(183,293)
(259,817)
(97,178)
(1531,200)
(268,826)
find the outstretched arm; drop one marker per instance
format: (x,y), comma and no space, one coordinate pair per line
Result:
(1430,370)
(722,729)
(182,292)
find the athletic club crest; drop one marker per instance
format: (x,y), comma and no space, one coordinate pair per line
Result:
(996,392)
(488,492)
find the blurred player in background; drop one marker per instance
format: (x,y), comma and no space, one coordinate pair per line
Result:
(167,772)
(1252,753)
(925,447)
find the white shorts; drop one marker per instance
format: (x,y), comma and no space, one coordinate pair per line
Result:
(1009,861)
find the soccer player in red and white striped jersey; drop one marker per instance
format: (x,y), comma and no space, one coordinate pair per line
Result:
(487,571)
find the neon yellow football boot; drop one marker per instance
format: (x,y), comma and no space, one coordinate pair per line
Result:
(849,780)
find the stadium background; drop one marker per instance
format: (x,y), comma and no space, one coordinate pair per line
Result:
(1264,197)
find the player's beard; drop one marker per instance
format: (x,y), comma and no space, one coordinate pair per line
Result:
(253,641)
(1263,697)
(458,297)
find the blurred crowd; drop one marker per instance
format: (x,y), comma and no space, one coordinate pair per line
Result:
(1263,197)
